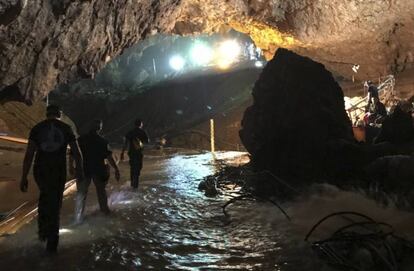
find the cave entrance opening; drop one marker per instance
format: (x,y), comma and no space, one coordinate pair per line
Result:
(176,83)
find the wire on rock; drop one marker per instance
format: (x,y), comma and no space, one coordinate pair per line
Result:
(333,215)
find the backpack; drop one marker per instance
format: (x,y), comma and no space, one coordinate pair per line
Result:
(137,144)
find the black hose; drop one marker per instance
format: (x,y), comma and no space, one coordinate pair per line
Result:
(359,224)
(333,215)
(246,196)
(280,208)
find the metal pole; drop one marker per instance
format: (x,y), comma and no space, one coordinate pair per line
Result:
(213,149)
(47,100)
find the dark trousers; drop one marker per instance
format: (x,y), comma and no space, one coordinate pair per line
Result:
(135,162)
(51,182)
(83,186)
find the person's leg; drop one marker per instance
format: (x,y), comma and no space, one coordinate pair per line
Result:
(54,211)
(140,158)
(100,185)
(42,204)
(133,163)
(51,182)
(80,199)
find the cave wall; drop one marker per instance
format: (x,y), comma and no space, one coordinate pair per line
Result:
(51,42)
(17,119)
(43,43)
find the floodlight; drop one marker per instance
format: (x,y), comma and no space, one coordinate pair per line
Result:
(177,62)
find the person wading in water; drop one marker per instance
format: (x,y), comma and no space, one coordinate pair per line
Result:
(134,142)
(95,150)
(48,140)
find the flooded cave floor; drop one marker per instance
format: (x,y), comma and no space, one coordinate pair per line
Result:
(170,225)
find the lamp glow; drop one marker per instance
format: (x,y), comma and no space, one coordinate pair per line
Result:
(227,53)
(177,62)
(201,54)
(258,64)
(229,49)
(63,231)
(223,64)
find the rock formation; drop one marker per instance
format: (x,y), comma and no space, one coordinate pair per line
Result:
(43,43)
(297,125)
(50,42)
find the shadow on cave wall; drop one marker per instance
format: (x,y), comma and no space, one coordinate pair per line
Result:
(177,110)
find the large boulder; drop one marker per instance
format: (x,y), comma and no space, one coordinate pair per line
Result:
(297,126)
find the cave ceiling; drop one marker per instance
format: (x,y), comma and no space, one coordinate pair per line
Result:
(47,42)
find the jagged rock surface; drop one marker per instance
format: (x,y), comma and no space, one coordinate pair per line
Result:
(51,42)
(297,117)
(43,43)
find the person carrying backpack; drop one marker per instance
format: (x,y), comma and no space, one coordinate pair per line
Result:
(134,142)
(48,141)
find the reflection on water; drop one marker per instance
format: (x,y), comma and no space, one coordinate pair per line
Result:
(170,225)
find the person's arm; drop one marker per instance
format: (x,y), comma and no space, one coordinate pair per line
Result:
(77,156)
(27,164)
(124,148)
(115,166)
(146,138)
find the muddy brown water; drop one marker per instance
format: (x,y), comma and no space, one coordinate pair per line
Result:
(169,225)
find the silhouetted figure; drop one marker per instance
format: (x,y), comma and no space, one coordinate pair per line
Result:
(95,151)
(379,108)
(377,112)
(372,92)
(134,142)
(49,140)
(397,127)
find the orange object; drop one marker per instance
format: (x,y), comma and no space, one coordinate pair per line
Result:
(359,133)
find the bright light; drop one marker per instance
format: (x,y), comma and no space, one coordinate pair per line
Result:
(228,52)
(201,54)
(258,64)
(348,103)
(177,62)
(224,64)
(63,231)
(229,49)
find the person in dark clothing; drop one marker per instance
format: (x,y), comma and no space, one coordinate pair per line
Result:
(397,128)
(372,92)
(134,142)
(377,112)
(48,140)
(379,108)
(95,151)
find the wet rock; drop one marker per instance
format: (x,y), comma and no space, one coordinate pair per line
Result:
(397,128)
(394,174)
(209,187)
(297,126)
